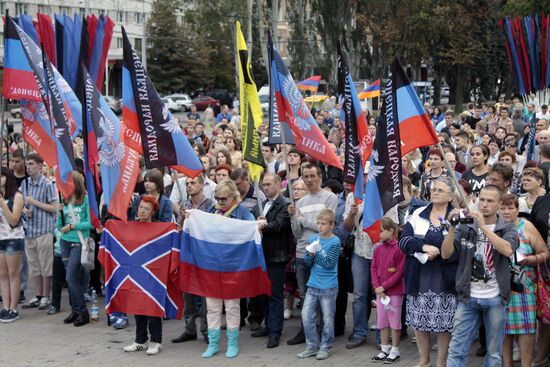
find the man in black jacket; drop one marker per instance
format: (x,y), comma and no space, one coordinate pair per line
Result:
(276,229)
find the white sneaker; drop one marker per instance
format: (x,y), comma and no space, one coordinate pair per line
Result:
(44,303)
(154,348)
(135,347)
(373,327)
(287,314)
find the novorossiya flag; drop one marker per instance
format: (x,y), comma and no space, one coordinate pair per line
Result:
(251,112)
(162,139)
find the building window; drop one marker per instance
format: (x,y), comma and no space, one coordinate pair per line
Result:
(120,17)
(43,9)
(65,10)
(138,18)
(20,9)
(137,44)
(119,42)
(82,12)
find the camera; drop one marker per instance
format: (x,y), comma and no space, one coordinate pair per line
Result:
(457,219)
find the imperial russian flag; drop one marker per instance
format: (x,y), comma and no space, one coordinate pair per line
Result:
(293,111)
(222,257)
(358,142)
(138,259)
(311,84)
(414,123)
(162,139)
(372,91)
(384,187)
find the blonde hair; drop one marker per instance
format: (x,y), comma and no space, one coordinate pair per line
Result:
(327,214)
(229,187)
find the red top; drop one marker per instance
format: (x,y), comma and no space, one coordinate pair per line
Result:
(388,268)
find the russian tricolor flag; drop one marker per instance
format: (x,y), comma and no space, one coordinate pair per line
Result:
(372,91)
(222,257)
(311,84)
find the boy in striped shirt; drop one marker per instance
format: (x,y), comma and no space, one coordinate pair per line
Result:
(322,288)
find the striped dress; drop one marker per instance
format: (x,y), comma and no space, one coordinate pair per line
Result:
(522,308)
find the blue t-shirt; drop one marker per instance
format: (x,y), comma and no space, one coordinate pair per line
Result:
(324,264)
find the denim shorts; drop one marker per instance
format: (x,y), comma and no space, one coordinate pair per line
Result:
(12,247)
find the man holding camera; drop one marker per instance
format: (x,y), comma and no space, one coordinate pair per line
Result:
(483,276)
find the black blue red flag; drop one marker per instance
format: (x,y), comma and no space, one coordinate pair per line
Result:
(384,188)
(358,141)
(293,110)
(162,140)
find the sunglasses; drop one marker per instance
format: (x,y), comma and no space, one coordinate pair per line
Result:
(221,199)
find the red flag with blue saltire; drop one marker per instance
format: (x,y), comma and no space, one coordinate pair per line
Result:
(139,259)
(222,257)
(119,164)
(311,84)
(414,122)
(372,90)
(60,127)
(293,111)
(162,140)
(384,188)
(358,142)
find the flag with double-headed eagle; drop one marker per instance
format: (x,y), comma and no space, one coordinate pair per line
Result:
(293,110)
(139,261)
(151,128)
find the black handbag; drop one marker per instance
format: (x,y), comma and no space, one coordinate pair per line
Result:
(516,276)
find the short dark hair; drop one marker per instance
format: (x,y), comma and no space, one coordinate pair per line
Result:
(270,146)
(464,135)
(545,150)
(18,153)
(312,166)
(35,157)
(239,172)
(510,199)
(506,172)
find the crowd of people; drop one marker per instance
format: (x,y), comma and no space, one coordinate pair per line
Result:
(463,257)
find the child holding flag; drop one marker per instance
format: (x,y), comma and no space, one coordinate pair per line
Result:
(322,255)
(387,274)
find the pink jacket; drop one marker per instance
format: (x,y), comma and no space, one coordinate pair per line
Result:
(388,268)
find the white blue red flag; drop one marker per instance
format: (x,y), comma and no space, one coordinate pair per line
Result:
(293,110)
(222,257)
(160,137)
(139,259)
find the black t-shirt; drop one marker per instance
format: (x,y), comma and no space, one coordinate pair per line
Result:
(472,121)
(140,188)
(21,179)
(476,182)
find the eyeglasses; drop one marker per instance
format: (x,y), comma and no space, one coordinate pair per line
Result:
(436,190)
(221,199)
(509,144)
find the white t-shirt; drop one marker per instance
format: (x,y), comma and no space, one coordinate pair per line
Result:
(485,284)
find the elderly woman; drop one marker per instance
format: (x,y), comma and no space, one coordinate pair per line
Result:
(429,279)
(522,308)
(228,204)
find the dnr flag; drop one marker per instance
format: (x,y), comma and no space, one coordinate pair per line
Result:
(293,110)
(384,187)
(162,141)
(251,112)
(358,142)
(414,123)
(119,164)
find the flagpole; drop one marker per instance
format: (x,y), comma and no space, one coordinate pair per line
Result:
(287,166)
(453,177)
(257,190)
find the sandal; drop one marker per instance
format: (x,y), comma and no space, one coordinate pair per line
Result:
(380,357)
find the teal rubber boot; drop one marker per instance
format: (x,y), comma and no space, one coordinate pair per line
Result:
(232,343)
(213,343)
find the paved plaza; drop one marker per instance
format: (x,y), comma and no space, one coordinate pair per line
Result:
(41,340)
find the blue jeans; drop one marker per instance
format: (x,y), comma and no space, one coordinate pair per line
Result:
(326,298)
(468,318)
(70,253)
(360,270)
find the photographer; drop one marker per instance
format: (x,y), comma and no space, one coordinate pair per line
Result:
(483,277)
